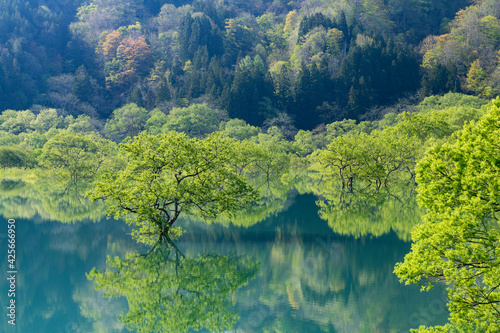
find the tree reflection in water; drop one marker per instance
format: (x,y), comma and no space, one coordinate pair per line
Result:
(51,198)
(169,292)
(369,211)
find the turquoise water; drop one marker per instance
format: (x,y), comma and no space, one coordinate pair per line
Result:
(309,278)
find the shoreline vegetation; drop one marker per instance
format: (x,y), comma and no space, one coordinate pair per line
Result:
(364,175)
(220,110)
(364,158)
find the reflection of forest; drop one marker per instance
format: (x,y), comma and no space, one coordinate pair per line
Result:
(310,278)
(365,211)
(53,292)
(57,199)
(358,213)
(169,292)
(316,283)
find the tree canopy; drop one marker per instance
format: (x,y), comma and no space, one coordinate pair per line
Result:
(458,243)
(78,154)
(168,174)
(311,60)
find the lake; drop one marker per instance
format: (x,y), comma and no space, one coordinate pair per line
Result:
(306,278)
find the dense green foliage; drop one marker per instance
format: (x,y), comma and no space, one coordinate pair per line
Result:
(11,157)
(49,197)
(169,174)
(380,153)
(458,242)
(315,61)
(167,291)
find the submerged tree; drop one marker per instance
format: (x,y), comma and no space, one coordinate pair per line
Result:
(377,159)
(168,174)
(459,241)
(174,293)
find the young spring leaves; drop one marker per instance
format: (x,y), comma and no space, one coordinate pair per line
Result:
(168,174)
(459,241)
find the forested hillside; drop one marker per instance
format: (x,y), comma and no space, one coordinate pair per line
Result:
(296,63)
(222,110)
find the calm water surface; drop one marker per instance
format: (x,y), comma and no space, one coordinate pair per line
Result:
(309,278)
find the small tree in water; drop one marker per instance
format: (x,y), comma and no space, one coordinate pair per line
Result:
(168,174)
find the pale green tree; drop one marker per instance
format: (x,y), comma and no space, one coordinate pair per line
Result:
(155,122)
(47,119)
(477,80)
(196,120)
(343,159)
(169,174)
(491,28)
(128,120)
(271,157)
(82,124)
(458,243)
(373,159)
(304,143)
(238,129)
(35,140)
(79,155)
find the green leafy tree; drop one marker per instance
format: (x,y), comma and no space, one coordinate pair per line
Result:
(458,243)
(271,160)
(128,120)
(169,174)
(196,120)
(17,121)
(46,120)
(11,157)
(36,140)
(174,293)
(155,122)
(389,154)
(304,143)
(344,159)
(82,124)
(491,28)
(77,154)
(238,129)
(339,128)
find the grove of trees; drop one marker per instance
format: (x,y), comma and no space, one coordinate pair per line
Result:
(219,108)
(458,241)
(315,61)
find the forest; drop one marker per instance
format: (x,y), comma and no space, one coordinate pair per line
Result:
(305,63)
(218,110)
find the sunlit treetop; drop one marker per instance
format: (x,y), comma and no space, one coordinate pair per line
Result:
(169,174)
(458,243)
